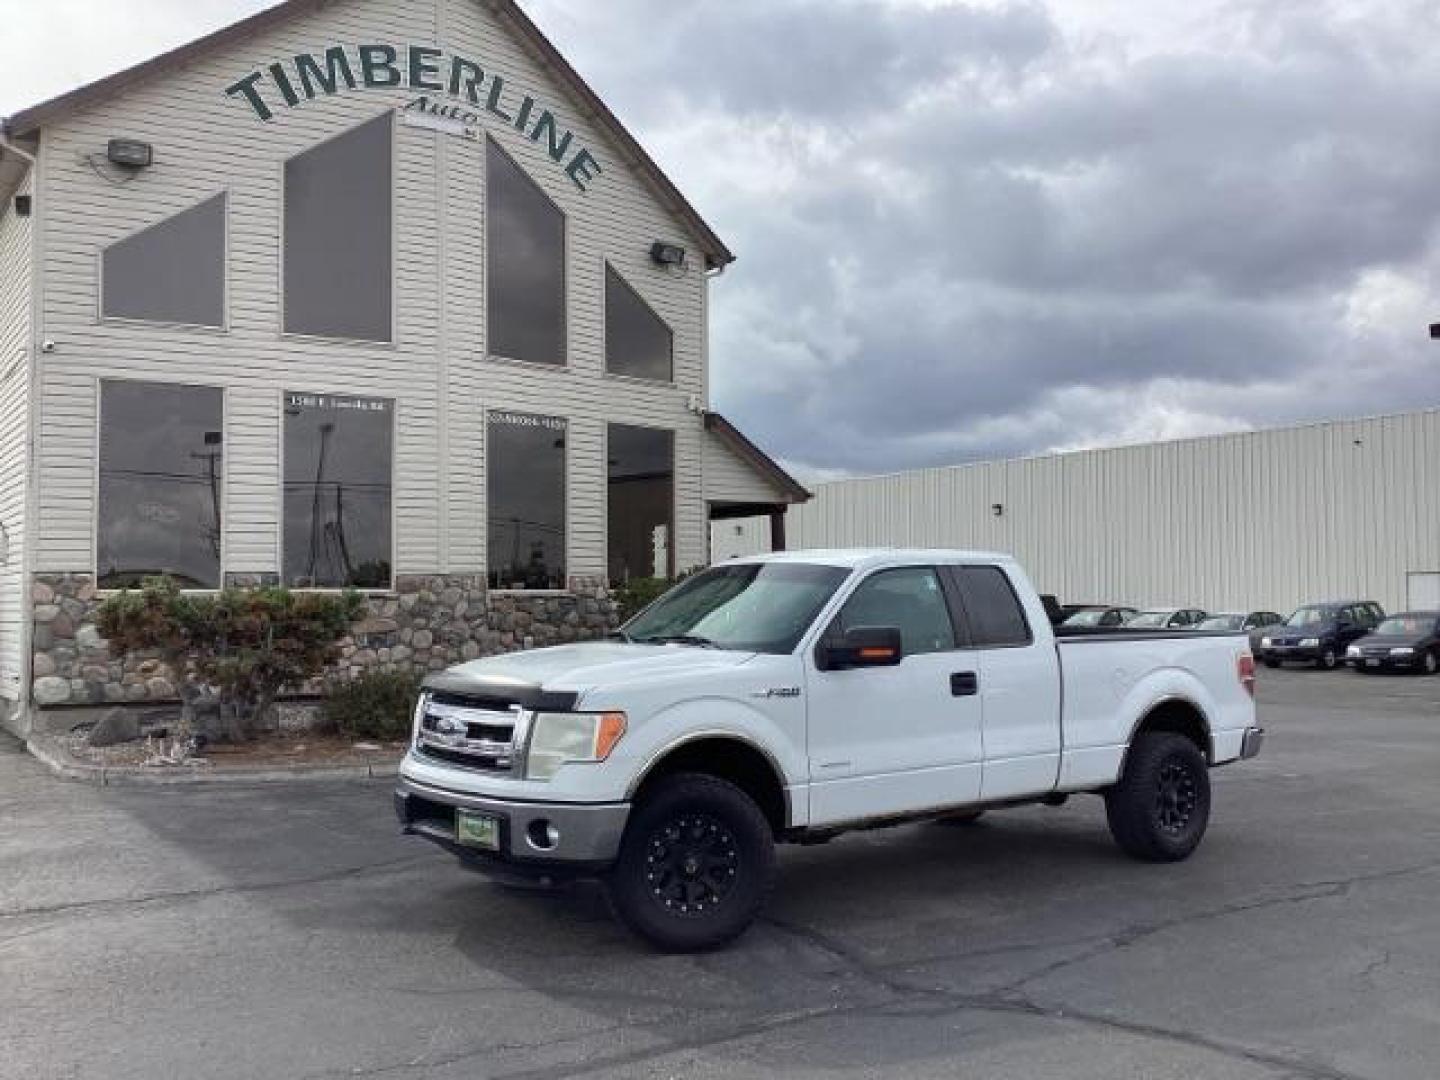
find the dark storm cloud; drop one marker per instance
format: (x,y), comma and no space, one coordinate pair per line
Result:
(987,237)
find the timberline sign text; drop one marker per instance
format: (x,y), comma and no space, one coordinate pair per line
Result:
(474,94)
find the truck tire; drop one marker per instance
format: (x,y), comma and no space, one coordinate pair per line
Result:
(696,864)
(1159,808)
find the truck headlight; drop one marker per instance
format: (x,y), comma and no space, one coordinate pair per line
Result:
(559,738)
(1264,642)
(1310,643)
(1404,650)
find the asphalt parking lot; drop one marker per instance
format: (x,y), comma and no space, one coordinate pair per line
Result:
(288,931)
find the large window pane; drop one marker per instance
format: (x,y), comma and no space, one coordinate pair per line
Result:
(637,341)
(525,474)
(173,272)
(525,265)
(642,502)
(338,236)
(160,484)
(338,459)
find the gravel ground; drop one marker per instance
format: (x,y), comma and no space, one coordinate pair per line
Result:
(288,931)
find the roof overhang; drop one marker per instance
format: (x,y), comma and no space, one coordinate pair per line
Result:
(28,122)
(13,166)
(792,490)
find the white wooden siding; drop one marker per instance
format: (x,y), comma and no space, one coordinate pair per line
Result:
(436,370)
(16,268)
(1256,521)
(730,478)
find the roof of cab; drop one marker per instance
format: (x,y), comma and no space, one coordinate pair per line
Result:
(866,558)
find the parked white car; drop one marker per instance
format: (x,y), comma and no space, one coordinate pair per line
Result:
(792,697)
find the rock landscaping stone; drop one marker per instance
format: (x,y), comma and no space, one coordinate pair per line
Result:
(116,726)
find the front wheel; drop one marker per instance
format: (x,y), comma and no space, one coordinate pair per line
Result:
(696,864)
(1328,661)
(1160,807)
(1430,662)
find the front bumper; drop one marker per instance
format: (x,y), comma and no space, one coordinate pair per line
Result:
(535,839)
(1385,663)
(1295,654)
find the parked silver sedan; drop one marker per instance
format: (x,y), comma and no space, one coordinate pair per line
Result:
(1254,623)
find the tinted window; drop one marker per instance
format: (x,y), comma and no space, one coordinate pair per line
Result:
(637,341)
(525,475)
(524,265)
(641,503)
(160,484)
(338,458)
(174,271)
(909,598)
(992,608)
(338,236)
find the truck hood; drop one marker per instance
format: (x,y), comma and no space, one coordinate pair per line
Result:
(573,670)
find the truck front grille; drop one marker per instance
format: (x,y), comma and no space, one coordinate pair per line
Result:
(471,733)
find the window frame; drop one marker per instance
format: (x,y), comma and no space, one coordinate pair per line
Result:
(607,265)
(323,339)
(392,590)
(99,387)
(486,354)
(565,500)
(101,319)
(959,630)
(956,585)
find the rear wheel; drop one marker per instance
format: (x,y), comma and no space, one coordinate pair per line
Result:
(696,864)
(1160,807)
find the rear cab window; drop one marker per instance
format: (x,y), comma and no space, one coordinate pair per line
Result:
(990,607)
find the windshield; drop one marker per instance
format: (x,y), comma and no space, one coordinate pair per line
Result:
(1151,618)
(1085,618)
(755,607)
(1310,616)
(1406,626)
(1222,622)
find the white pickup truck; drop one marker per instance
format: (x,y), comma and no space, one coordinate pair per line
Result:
(792,697)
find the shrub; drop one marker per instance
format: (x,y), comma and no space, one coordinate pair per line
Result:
(635,595)
(242,647)
(375,705)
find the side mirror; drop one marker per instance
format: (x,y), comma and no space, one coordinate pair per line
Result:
(862,646)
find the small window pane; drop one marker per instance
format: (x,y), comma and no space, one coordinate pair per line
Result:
(172,272)
(641,502)
(338,461)
(637,341)
(525,265)
(910,599)
(161,450)
(995,615)
(338,236)
(525,475)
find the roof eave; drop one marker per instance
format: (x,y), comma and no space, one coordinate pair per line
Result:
(763,463)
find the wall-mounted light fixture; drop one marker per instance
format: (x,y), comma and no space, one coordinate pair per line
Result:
(22,205)
(129,153)
(998,509)
(667,254)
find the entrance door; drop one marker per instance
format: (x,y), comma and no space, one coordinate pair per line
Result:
(1422,591)
(892,740)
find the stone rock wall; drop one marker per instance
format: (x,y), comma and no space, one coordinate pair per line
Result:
(429,623)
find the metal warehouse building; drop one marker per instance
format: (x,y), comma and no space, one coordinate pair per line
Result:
(1252,521)
(354,293)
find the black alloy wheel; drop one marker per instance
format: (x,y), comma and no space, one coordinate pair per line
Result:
(696,864)
(1159,809)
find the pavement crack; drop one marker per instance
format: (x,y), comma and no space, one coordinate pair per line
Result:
(175,895)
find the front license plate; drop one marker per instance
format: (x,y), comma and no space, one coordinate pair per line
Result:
(477,830)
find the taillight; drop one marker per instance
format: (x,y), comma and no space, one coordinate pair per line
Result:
(1245,670)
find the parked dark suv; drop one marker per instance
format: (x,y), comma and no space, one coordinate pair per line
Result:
(1319,634)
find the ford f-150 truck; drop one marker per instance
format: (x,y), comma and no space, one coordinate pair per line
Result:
(792,697)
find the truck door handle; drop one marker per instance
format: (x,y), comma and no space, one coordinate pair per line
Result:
(964,684)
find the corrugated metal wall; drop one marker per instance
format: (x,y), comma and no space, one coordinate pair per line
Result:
(1259,520)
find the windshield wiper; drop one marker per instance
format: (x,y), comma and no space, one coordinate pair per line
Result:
(620,635)
(681,639)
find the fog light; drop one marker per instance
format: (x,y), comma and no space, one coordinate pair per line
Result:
(543,836)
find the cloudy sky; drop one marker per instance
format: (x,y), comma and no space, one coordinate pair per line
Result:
(988,228)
